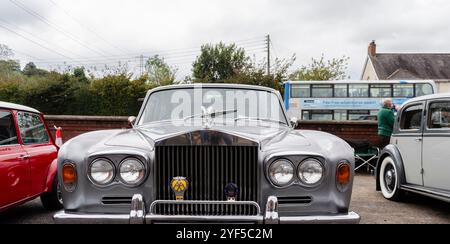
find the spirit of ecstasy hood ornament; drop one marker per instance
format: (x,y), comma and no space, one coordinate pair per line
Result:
(207,117)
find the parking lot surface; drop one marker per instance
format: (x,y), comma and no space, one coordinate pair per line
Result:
(371,205)
(414,209)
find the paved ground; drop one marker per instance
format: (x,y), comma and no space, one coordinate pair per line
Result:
(414,209)
(371,205)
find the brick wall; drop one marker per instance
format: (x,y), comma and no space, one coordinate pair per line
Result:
(347,130)
(76,125)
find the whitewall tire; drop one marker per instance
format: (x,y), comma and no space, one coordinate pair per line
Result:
(389,180)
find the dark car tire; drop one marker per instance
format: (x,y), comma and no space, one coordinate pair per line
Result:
(389,180)
(52,200)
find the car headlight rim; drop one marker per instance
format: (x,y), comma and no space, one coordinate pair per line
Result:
(141,175)
(108,179)
(277,182)
(314,165)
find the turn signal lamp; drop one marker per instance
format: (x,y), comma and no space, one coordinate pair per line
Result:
(343,176)
(69,176)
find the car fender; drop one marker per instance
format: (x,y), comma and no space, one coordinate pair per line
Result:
(393,152)
(51,174)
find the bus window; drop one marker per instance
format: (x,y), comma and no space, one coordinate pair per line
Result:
(300,91)
(357,114)
(321,91)
(423,89)
(404,90)
(321,115)
(380,90)
(359,90)
(305,115)
(340,90)
(340,115)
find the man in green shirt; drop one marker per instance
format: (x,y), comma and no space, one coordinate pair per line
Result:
(386,119)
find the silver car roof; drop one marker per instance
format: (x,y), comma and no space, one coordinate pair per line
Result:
(429,97)
(214,85)
(14,106)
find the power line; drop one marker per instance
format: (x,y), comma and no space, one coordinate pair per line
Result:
(34,36)
(24,37)
(24,54)
(86,27)
(164,53)
(53,26)
(179,56)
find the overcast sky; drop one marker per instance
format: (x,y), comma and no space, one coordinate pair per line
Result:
(99,32)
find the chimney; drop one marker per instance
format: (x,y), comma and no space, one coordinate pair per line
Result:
(372,49)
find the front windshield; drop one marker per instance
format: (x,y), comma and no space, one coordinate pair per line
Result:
(223,104)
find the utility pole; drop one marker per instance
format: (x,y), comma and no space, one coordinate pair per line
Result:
(141,58)
(268,54)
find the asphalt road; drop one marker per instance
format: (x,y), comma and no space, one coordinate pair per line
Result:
(371,205)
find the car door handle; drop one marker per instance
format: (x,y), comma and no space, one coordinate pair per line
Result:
(23,157)
(418,139)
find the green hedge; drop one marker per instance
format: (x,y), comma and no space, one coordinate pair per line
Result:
(66,94)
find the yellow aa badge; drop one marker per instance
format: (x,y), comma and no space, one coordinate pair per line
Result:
(179,186)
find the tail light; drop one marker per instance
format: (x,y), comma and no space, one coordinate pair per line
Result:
(343,176)
(69,176)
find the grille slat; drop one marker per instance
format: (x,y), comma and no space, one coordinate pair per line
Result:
(208,170)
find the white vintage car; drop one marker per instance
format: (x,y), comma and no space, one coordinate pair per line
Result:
(418,159)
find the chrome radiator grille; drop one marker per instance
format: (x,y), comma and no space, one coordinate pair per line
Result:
(209,169)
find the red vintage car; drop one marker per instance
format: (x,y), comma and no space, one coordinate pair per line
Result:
(27,158)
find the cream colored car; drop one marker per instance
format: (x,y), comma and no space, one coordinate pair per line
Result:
(417,160)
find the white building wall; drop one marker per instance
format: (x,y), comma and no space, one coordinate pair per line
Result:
(443,86)
(369,71)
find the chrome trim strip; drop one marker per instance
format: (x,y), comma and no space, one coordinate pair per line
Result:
(350,218)
(152,206)
(214,219)
(68,218)
(427,192)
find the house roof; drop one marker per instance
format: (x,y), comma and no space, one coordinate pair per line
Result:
(390,66)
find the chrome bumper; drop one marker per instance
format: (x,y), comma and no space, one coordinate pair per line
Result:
(137,216)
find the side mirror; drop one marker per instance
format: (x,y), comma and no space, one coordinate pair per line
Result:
(294,122)
(131,121)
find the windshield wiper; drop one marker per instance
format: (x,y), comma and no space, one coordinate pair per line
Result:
(260,119)
(212,115)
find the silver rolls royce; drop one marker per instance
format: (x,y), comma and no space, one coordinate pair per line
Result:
(207,153)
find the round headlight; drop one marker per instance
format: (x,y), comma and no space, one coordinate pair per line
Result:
(281,172)
(132,171)
(310,171)
(102,171)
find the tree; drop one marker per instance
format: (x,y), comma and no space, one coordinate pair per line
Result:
(5,52)
(219,62)
(256,74)
(9,66)
(334,69)
(159,72)
(30,69)
(80,75)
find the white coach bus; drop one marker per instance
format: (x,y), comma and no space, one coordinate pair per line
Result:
(349,100)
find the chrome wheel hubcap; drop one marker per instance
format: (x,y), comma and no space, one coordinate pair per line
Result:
(389,178)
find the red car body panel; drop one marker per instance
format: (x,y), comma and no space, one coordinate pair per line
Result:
(26,171)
